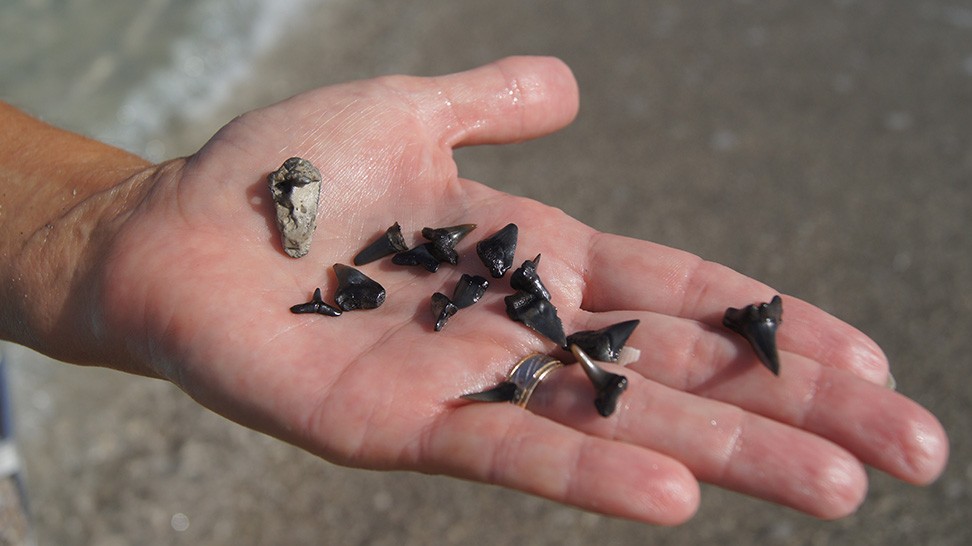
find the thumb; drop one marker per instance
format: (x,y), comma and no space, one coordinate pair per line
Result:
(510,100)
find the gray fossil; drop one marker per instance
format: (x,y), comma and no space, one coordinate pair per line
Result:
(296,191)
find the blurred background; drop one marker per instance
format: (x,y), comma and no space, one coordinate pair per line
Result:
(822,147)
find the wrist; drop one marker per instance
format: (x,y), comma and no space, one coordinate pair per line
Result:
(58,193)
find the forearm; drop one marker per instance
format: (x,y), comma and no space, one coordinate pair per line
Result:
(51,187)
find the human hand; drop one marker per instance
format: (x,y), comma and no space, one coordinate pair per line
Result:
(193,286)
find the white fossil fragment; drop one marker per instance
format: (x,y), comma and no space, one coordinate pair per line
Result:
(296,191)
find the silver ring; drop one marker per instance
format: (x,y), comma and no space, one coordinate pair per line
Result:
(528,374)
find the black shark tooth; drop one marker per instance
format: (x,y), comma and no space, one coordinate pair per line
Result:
(444,240)
(442,309)
(468,290)
(316,305)
(758,324)
(604,344)
(609,386)
(420,255)
(538,314)
(497,250)
(355,290)
(389,243)
(525,278)
(504,392)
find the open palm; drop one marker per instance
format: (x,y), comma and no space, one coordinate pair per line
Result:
(197,286)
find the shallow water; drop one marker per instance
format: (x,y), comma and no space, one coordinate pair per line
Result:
(124,72)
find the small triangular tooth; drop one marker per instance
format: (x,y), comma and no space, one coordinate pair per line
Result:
(527,279)
(355,290)
(504,392)
(609,386)
(443,241)
(316,305)
(604,344)
(469,290)
(420,255)
(538,314)
(497,250)
(758,324)
(389,243)
(442,309)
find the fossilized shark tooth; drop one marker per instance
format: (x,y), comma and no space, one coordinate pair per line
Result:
(420,255)
(497,250)
(609,386)
(296,191)
(316,305)
(355,290)
(538,314)
(520,383)
(504,392)
(389,243)
(604,344)
(525,278)
(468,290)
(442,309)
(444,240)
(758,324)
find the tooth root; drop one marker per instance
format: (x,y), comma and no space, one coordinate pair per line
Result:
(609,386)
(758,324)
(355,290)
(420,255)
(504,392)
(538,314)
(316,305)
(442,309)
(497,250)
(469,290)
(604,344)
(389,243)
(527,279)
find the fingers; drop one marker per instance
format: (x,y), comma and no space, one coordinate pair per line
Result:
(512,99)
(507,446)
(719,443)
(648,276)
(880,427)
